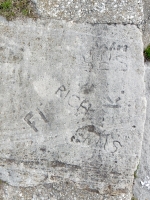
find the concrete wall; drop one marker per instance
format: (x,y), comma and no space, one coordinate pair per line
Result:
(89,11)
(72,103)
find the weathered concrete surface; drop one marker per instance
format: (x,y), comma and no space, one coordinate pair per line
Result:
(146,26)
(141,188)
(55,191)
(92,11)
(72,109)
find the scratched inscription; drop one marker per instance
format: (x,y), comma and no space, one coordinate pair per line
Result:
(112,104)
(32,124)
(93,136)
(82,80)
(7,53)
(74,100)
(103,57)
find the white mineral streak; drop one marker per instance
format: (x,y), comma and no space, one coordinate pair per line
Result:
(146,182)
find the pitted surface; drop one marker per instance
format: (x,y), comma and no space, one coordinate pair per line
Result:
(92,11)
(75,106)
(146,25)
(54,191)
(141,187)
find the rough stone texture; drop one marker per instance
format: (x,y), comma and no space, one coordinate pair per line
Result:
(146,27)
(72,110)
(141,188)
(54,191)
(92,11)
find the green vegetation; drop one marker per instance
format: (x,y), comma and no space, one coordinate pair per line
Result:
(17,8)
(6,5)
(133,198)
(2,182)
(135,173)
(147,53)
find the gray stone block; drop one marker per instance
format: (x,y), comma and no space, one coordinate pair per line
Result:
(104,11)
(72,108)
(141,187)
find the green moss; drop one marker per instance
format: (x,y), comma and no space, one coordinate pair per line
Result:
(2,182)
(133,198)
(17,8)
(147,53)
(135,173)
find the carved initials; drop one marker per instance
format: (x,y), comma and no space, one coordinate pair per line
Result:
(32,124)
